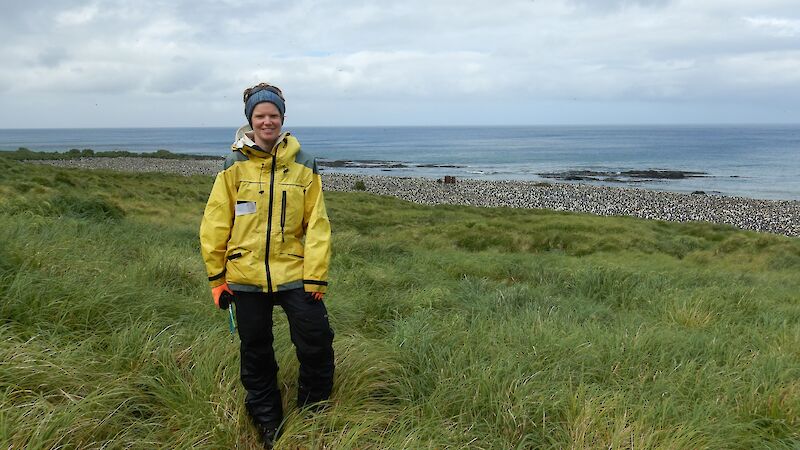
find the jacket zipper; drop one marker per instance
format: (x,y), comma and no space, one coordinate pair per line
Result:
(269,217)
(283,214)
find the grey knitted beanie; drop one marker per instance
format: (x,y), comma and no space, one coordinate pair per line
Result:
(264,95)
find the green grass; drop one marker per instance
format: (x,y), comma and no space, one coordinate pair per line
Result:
(456,327)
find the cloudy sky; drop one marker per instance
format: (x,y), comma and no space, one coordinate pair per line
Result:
(126,63)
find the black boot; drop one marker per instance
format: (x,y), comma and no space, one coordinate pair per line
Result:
(268,434)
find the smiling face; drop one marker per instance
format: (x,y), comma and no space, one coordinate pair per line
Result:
(266,125)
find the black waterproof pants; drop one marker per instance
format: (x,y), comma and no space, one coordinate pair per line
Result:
(313,340)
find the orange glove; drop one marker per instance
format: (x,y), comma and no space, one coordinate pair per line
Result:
(317,296)
(222,296)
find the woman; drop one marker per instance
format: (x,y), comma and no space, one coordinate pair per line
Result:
(265,239)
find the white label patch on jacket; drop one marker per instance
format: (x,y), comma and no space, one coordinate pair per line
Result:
(245,208)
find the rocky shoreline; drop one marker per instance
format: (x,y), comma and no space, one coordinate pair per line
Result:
(772,216)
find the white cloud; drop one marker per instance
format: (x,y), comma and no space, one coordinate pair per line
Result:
(775,25)
(76,17)
(779,70)
(443,53)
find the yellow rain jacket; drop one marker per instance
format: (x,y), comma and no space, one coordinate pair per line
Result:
(265,228)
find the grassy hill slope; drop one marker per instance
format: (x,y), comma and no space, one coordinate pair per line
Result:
(456,327)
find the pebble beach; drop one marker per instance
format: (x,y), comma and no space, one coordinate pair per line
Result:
(771,216)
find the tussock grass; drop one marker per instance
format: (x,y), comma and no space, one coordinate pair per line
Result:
(456,327)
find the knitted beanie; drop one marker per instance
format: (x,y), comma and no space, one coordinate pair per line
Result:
(264,95)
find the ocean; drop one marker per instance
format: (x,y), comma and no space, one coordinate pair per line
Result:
(756,161)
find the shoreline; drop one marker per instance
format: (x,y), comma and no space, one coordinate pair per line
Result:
(771,216)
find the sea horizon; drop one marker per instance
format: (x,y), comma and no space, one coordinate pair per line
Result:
(567,125)
(756,161)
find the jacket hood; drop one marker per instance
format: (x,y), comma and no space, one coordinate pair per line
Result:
(286,144)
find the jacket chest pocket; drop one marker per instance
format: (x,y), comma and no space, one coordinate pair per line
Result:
(246,224)
(292,200)
(248,191)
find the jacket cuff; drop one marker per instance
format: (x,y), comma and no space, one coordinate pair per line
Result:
(315,286)
(213,284)
(217,280)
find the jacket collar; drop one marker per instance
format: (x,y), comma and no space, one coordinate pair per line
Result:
(245,143)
